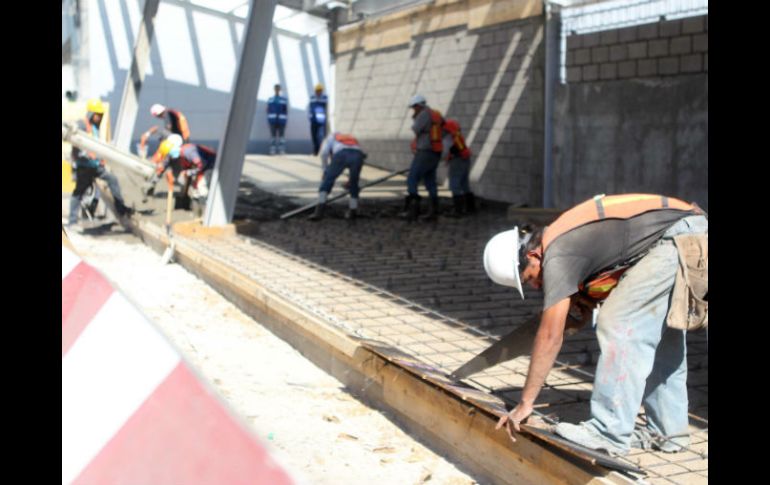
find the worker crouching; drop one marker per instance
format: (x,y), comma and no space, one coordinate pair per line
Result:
(345,152)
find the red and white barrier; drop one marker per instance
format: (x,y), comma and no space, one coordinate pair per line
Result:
(132,410)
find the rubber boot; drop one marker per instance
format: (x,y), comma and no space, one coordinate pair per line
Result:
(318,214)
(470,203)
(432,213)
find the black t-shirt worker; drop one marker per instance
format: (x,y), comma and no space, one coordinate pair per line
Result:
(620,248)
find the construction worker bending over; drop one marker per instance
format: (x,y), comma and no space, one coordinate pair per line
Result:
(640,331)
(277,107)
(345,153)
(194,162)
(458,154)
(88,167)
(175,121)
(316,111)
(427,148)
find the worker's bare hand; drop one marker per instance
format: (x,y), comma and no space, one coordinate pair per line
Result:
(512,420)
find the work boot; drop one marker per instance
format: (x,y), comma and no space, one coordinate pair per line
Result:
(122,209)
(318,214)
(351,214)
(272,150)
(432,213)
(409,203)
(414,210)
(458,206)
(470,203)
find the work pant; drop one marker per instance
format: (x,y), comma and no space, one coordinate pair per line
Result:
(353,160)
(84,178)
(423,167)
(318,132)
(277,141)
(458,175)
(643,361)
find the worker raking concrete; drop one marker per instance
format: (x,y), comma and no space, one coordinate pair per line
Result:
(643,256)
(192,161)
(345,152)
(427,148)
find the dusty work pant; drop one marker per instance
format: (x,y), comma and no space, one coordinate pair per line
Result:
(458,175)
(85,177)
(353,160)
(643,361)
(423,167)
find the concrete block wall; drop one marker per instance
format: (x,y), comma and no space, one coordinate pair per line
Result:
(489,79)
(661,49)
(633,114)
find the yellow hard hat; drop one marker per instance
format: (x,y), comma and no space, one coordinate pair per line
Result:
(164,148)
(319,87)
(95,105)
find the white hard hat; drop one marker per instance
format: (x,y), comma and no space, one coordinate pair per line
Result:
(417,99)
(157,109)
(175,140)
(501,258)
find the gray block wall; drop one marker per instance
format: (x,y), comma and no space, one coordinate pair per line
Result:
(633,115)
(661,49)
(489,79)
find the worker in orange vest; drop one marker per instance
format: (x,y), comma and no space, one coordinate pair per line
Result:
(458,155)
(427,147)
(581,257)
(176,122)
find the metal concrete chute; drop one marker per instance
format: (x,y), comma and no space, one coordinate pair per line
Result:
(70,133)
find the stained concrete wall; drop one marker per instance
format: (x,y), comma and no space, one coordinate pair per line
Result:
(489,78)
(633,115)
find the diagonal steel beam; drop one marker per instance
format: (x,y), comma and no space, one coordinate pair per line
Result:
(129,103)
(232,145)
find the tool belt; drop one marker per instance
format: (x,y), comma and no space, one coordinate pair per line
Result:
(689,300)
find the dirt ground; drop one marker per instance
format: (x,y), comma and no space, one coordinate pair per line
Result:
(319,431)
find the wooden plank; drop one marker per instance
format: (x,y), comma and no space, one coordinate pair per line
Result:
(194,229)
(483,13)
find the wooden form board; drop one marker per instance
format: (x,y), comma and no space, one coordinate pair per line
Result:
(462,427)
(400,27)
(491,404)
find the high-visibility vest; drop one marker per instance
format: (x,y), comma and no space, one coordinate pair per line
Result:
(346,139)
(462,148)
(436,131)
(90,131)
(276,109)
(181,124)
(609,207)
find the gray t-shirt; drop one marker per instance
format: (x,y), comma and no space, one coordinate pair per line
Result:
(421,129)
(583,252)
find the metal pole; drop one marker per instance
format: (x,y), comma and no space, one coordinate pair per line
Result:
(129,103)
(232,146)
(104,150)
(343,194)
(551,73)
